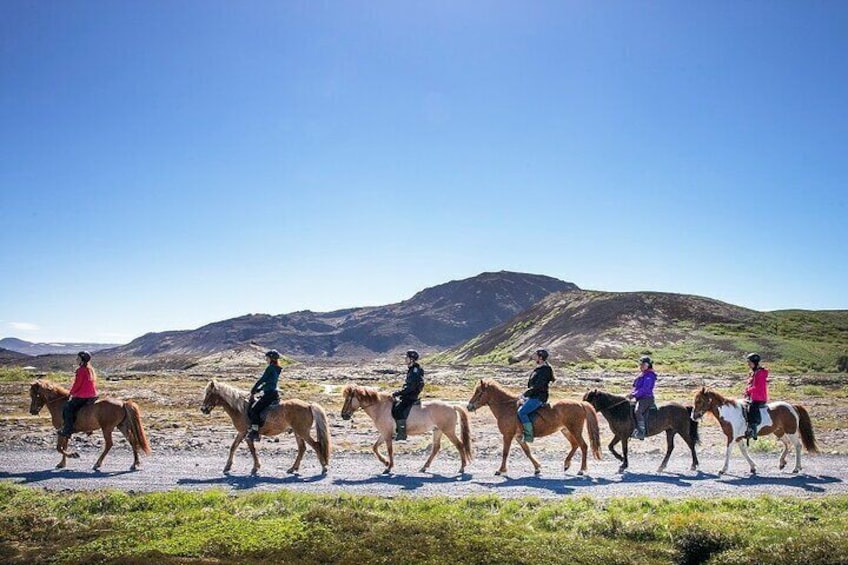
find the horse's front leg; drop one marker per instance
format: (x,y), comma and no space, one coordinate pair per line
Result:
(107,445)
(376,449)
(537,467)
(566,464)
(507,442)
(391,452)
(437,445)
(61,447)
(744,449)
(301,449)
(239,437)
(611,447)
(256,464)
(726,456)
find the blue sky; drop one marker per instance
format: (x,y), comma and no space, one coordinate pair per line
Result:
(168,164)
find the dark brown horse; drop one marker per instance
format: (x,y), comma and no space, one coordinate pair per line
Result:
(566,416)
(788,422)
(671,418)
(106,414)
(291,415)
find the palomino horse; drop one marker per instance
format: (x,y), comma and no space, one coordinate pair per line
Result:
(434,415)
(671,418)
(566,416)
(784,420)
(291,415)
(106,414)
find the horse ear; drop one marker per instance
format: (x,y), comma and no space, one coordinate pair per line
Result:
(703,390)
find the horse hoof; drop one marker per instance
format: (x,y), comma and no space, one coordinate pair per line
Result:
(581,472)
(422,470)
(73,455)
(97,468)
(60,466)
(753,471)
(254,472)
(291,471)
(537,472)
(795,471)
(498,473)
(387,472)
(135,467)
(781,466)
(661,470)
(720,473)
(323,470)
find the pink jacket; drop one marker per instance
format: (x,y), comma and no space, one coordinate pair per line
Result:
(757,389)
(83,386)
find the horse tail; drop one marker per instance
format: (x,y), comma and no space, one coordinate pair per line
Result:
(465,429)
(693,427)
(322,431)
(805,426)
(135,431)
(592,427)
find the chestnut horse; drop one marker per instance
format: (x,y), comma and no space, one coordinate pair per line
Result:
(291,415)
(671,418)
(784,420)
(106,414)
(566,416)
(434,415)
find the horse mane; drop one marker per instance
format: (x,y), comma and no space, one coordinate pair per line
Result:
(235,398)
(492,383)
(365,393)
(51,387)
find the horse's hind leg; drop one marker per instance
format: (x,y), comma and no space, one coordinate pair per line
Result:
(107,445)
(669,447)
(256,464)
(785,441)
(459,447)
(301,449)
(744,449)
(691,443)
(437,445)
(314,445)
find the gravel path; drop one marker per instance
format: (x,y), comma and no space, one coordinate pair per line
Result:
(359,473)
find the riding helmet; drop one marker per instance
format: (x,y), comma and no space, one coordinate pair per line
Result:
(412,354)
(543,353)
(85,356)
(754,358)
(646,359)
(273,354)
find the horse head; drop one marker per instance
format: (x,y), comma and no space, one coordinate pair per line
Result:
(704,402)
(480,396)
(210,398)
(591,397)
(351,402)
(36,395)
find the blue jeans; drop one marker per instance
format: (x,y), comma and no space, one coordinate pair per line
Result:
(530,405)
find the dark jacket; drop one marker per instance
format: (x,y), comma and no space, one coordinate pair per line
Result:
(539,381)
(414,383)
(268,381)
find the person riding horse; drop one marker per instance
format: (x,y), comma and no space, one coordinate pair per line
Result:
(537,392)
(643,393)
(756,393)
(264,393)
(408,395)
(83,391)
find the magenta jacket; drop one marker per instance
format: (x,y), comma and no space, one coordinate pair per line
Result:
(757,389)
(643,386)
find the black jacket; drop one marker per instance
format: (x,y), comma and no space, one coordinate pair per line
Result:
(414,383)
(542,376)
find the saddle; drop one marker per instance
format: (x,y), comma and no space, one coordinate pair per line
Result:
(264,414)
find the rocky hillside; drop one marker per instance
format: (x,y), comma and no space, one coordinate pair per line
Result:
(30,348)
(688,332)
(434,319)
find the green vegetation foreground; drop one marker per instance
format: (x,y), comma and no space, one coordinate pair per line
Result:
(283,527)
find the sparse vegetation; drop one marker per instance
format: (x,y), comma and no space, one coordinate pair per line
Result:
(184,527)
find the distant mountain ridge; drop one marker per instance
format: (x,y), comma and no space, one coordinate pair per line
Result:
(433,319)
(30,348)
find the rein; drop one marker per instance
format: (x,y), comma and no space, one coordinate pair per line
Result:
(619,403)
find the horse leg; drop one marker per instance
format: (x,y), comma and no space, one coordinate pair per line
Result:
(507,442)
(315,446)
(786,443)
(256,464)
(691,443)
(669,447)
(797,442)
(537,467)
(458,444)
(61,447)
(726,456)
(301,449)
(236,442)
(611,447)
(376,449)
(107,445)
(567,462)
(744,449)
(391,452)
(437,445)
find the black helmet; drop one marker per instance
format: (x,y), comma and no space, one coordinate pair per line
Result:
(646,359)
(412,354)
(273,354)
(754,358)
(85,356)
(543,353)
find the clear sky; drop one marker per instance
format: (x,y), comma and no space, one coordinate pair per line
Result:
(168,164)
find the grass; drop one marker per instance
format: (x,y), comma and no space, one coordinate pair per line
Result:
(284,527)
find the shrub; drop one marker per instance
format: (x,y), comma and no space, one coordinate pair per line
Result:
(698,545)
(842,364)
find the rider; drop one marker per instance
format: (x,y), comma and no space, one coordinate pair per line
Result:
(537,392)
(264,392)
(643,392)
(408,395)
(83,391)
(756,393)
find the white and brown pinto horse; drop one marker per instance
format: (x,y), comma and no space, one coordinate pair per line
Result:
(435,415)
(290,415)
(789,423)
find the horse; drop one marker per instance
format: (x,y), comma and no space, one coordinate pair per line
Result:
(671,418)
(106,414)
(290,415)
(566,416)
(784,420)
(434,415)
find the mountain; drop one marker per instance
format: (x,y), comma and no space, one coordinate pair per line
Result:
(29,348)
(434,319)
(611,330)
(7,356)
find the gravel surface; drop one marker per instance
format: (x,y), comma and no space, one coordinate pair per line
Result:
(360,473)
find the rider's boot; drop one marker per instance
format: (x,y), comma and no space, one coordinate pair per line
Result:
(528,432)
(400,432)
(253,434)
